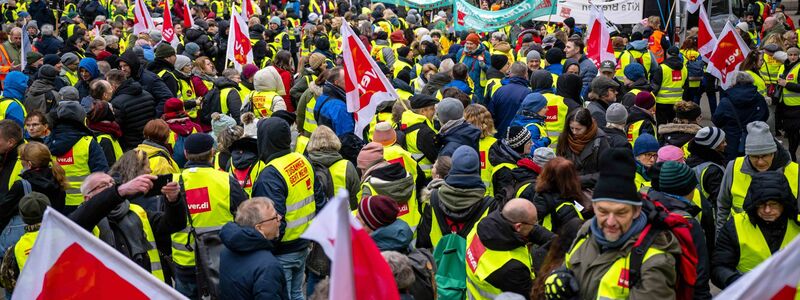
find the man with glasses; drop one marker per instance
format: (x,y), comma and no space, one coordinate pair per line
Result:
(497,251)
(645,153)
(248,268)
(762,153)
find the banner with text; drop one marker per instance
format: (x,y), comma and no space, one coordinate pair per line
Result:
(469,16)
(616,11)
(419,4)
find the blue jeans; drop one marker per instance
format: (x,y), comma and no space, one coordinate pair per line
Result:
(11,234)
(294,269)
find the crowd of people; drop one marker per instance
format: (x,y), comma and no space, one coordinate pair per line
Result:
(512,166)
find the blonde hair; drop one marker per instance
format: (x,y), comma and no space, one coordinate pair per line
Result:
(323,139)
(480,117)
(39,156)
(654,22)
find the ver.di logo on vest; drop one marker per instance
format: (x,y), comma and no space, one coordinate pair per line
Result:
(66,159)
(197,200)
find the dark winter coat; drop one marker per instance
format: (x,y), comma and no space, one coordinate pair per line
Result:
(676,134)
(133,108)
(150,81)
(506,101)
(457,135)
(738,106)
(48,44)
(636,114)
(170,81)
(64,136)
(248,269)
(588,161)
(42,181)
(212,101)
(498,234)
(617,138)
(629,98)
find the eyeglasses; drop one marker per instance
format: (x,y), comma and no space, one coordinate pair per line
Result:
(102,185)
(267,220)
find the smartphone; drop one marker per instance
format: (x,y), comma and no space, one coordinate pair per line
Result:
(159,183)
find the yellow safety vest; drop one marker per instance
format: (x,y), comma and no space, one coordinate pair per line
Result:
(792,98)
(753,248)
(187,93)
(641,57)
(23,247)
(76,167)
(379,117)
(208,199)
(223,99)
(262,103)
(72,77)
(396,154)
(114,144)
(338,172)
(243,89)
(759,82)
(377,53)
(613,284)
(635,130)
(555,118)
(6,102)
(398,66)
(482,262)
(248,176)
(492,85)
(771,69)
(403,94)
(277,43)
(409,211)
(436,231)
(218,7)
(642,185)
(408,123)
(15,172)
(691,55)
(487,170)
(302,142)
(152,253)
(310,124)
(741,182)
(547,221)
(672,82)
(300,206)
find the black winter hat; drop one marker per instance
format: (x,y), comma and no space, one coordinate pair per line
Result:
(32,207)
(554,56)
(616,180)
(48,72)
(421,100)
(499,61)
(197,143)
(769,185)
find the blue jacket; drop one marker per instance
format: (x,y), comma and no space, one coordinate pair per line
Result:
(527,120)
(588,73)
(461,134)
(555,69)
(90,65)
(15,85)
(332,110)
(477,63)
(738,106)
(248,269)
(393,237)
(49,45)
(506,102)
(462,86)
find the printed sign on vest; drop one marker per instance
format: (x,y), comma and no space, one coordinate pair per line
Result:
(243,177)
(403,210)
(552,113)
(676,75)
(398,160)
(482,155)
(297,171)
(474,253)
(198,201)
(624,276)
(66,158)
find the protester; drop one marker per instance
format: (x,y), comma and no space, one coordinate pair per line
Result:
(583,143)
(738,107)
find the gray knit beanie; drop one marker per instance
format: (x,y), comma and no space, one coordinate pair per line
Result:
(449,109)
(616,114)
(759,140)
(533,54)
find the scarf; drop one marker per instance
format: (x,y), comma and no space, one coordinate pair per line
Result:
(108,127)
(637,226)
(182,125)
(578,142)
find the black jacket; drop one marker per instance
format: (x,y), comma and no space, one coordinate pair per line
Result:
(629,98)
(42,181)
(158,65)
(738,106)
(498,234)
(676,134)
(150,81)
(7,162)
(712,178)
(133,108)
(617,138)
(500,153)
(212,101)
(636,114)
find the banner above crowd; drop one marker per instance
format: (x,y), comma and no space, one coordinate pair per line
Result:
(615,11)
(419,4)
(469,16)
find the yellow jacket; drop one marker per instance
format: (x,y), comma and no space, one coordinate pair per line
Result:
(161,161)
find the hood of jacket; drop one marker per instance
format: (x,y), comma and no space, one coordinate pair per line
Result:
(244,152)
(541,80)
(504,47)
(639,45)
(678,128)
(399,84)
(333,91)
(243,239)
(326,158)
(14,85)
(675,62)
(515,80)
(151,148)
(90,65)
(274,138)
(161,64)
(781,159)
(569,86)
(436,82)
(699,154)
(129,87)
(223,83)
(497,233)
(41,178)
(672,203)
(65,134)
(461,85)
(501,152)
(460,204)
(743,96)
(641,84)
(268,79)
(393,181)
(393,237)
(130,58)
(464,134)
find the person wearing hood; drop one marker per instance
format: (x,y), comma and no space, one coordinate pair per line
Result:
(531,116)
(186,91)
(675,190)
(323,150)
(323,47)
(330,108)
(635,81)
(495,74)
(707,160)
(459,201)
(738,106)
(131,66)
(393,181)
(260,55)
(75,149)
(683,128)
(503,264)
(555,192)
(604,92)
(403,64)
(248,267)
(42,94)
(180,126)
(616,118)
(164,67)
(667,86)
(569,87)
(767,225)
(506,101)
(402,84)
(588,70)
(309,74)
(107,132)
(583,144)
(87,72)
(224,98)
(287,180)
(455,131)
(11,107)
(267,96)
(475,57)
(158,150)
(542,82)
(133,108)
(762,153)
(554,56)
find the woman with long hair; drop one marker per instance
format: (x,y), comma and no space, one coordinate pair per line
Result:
(554,258)
(559,197)
(284,64)
(203,75)
(752,65)
(323,150)
(159,152)
(481,118)
(583,143)
(130,165)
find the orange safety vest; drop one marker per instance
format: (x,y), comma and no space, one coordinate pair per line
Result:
(6,63)
(654,44)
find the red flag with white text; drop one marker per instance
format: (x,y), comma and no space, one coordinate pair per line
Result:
(358,270)
(142,22)
(728,55)
(239,49)
(67,262)
(167,30)
(186,11)
(706,40)
(598,44)
(249,9)
(365,84)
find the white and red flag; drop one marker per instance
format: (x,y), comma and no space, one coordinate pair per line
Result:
(142,22)
(249,9)
(167,30)
(728,55)
(693,5)
(239,48)
(365,84)
(186,14)
(358,270)
(706,40)
(776,278)
(67,262)
(598,44)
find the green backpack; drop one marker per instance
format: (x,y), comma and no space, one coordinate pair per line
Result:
(449,255)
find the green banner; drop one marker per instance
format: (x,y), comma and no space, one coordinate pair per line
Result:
(419,4)
(469,16)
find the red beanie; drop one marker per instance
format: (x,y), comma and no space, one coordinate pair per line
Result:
(474,38)
(173,108)
(378,211)
(644,99)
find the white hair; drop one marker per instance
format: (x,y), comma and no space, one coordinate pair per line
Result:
(743,78)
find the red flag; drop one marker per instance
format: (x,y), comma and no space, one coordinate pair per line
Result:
(167,30)
(67,262)
(249,9)
(728,55)
(186,11)
(239,48)
(598,44)
(365,84)
(142,22)
(358,270)
(706,40)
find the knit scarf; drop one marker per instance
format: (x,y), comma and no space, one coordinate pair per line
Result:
(578,142)
(111,128)
(636,227)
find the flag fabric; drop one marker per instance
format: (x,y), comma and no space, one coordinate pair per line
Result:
(728,55)
(706,40)
(598,44)
(26,47)
(776,278)
(358,270)
(167,30)
(249,9)
(186,11)
(142,22)
(239,48)
(365,84)
(67,262)
(693,5)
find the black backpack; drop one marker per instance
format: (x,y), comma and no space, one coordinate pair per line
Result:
(207,249)
(424,267)
(323,179)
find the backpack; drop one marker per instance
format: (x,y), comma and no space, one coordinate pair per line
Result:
(323,179)
(694,67)
(661,219)
(509,191)
(424,267)
(207,249)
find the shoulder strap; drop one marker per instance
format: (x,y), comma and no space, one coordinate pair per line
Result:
(192,231)
(26,186)
(646,239)
(317,112)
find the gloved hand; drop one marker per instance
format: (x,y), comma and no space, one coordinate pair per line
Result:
(561,285)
